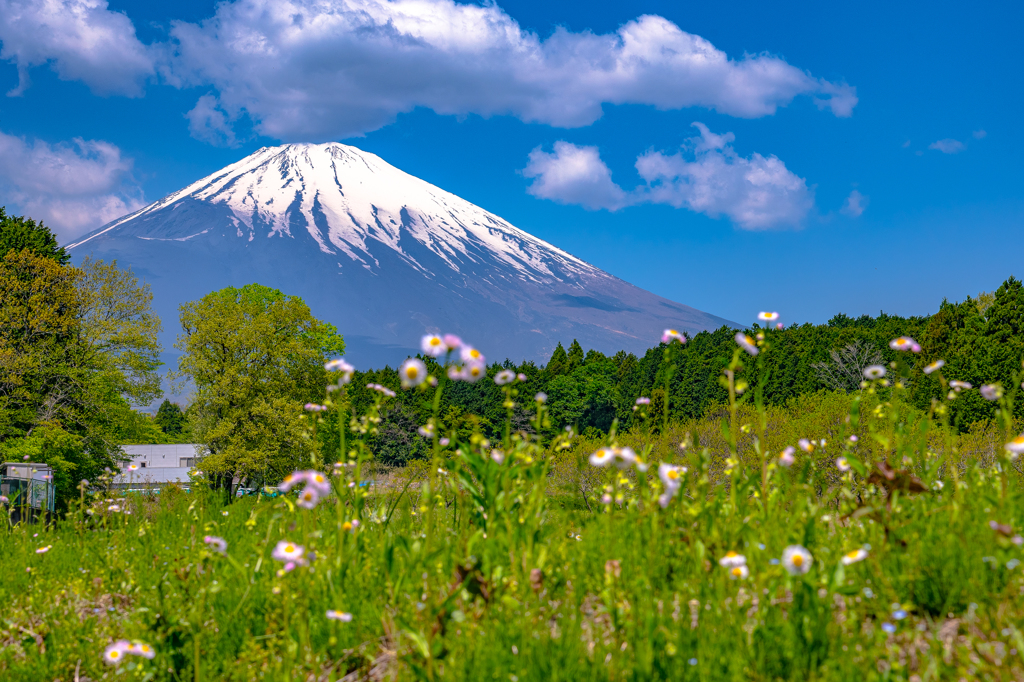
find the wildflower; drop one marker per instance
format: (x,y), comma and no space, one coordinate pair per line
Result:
(427,431)
(470,354)
(216,544)
(624,457)
(933,366)
(413,372)
(115,652)
(44,550)
(805,445)
(874,372)
(521,377)
(114,508)
(959,385)
(786,458)
(671,476)
(505,376)
(1016,446)
(455,373)
(140,649)
(643,401)
(4,500)
(854,438)
(746,343)
(541,398)
(899,614)
(767,317)
(905,343)
(889,628)
(602,457)
(452,342)
(498,456)
(842,464)
(444,442)
(473,371)
(308,498)
(339,365)
(732,559)
(339,615)
(292,480)
(797,559)
(853,557)
(670,335)
(433,345)
(313,407)
(318,482)
(287,551)
(739,572)
(133,467)
(991,391)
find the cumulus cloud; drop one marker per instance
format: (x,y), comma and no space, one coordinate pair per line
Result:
(80,39)
(574,175)
(209,123)
(330,69)
(855,204)
(707,176)
(72,187)
(948,146)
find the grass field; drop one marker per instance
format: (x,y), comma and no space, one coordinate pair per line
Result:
(882,547)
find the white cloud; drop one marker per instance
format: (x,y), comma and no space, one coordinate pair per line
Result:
(73,187)
(327,69)
(209,123)
(855,204)
(979,134)
(948,146)
(574,175)
(755,193)
(81,39)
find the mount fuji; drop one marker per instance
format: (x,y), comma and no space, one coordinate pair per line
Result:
(383,255)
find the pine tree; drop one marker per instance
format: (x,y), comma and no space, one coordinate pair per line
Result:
(558,362)
(170,418)
(1004,333)
(575,356)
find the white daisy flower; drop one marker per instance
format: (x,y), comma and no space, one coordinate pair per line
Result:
(842,464)
(114,653)
(854,556)
(339,615)
(797,560)
(670,335)
(732,559)
(541,398)
(959,385)
(287,551)
(505,376)
(671,476)
(602,457)
(308,498)
(904,343)
(470,354)
(473,371)
(786,458)
(934,366)
(412,372)
(1016,446)
(433,345)
(805,445)
(874,372)
(767,317)
(292,480)
(746,343)
(140,649)
(739,572)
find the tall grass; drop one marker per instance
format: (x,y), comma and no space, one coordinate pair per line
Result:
(522,560)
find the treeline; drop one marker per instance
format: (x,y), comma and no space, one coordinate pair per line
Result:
(981,341)
(78,348)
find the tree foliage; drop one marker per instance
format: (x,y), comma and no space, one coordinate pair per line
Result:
(18,233)
(253,356)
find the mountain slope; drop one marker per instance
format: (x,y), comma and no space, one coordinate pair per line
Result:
(383,255)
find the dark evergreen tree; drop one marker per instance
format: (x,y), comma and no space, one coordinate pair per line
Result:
(18,233)
(170,418)
(574,358)
(558,364)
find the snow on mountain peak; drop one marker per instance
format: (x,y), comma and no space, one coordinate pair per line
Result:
(352,202)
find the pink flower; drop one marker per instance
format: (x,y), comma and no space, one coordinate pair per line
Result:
(114,653)
(308,498)
(905,343)
(216,544)
(287,551)
(452,342)
(786,458)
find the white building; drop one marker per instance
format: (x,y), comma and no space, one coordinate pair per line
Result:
(158,465)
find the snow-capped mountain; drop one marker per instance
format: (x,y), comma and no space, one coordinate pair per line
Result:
(383,255)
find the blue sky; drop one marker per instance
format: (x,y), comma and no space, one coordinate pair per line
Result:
(884,136)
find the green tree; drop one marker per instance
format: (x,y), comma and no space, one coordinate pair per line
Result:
(575,357)
(18,233)
(254,356)
(558,364)
(170,418)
